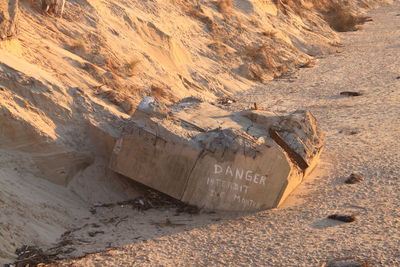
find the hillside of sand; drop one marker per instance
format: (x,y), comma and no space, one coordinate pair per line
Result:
(69,85)
(363,135)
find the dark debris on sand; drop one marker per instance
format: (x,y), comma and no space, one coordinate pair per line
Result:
(354,178)
(32,256)
(342,218)
(349,93)
(151,200)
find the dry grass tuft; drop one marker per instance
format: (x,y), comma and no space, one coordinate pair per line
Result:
(36,5)
(256,73)
(106,78)
(194,12)
(308,64)
(161,93)
(269,33)
(219,47)
(113,67)
(292,6)
(131,66)
(343,20)
(261,62)
(265,63)
(78,47)
(197,12)
(256,52)
(94,71)
(121,100)
(225,6)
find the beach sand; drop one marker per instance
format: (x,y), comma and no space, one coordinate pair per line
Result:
(363,135)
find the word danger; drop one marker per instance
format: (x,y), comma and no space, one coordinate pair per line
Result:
(240,174)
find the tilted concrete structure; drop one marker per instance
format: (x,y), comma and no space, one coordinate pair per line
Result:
(215,159)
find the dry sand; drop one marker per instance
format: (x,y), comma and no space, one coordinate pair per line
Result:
(57,129)
(58,124)
(362,137)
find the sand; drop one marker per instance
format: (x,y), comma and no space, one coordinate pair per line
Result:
(362,137)
(68,87)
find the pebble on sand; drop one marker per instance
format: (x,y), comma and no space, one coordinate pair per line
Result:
(342,218)
(354,178)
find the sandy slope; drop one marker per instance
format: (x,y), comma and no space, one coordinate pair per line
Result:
(299,234)
(57,126)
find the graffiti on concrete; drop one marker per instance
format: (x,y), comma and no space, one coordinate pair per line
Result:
(231,179)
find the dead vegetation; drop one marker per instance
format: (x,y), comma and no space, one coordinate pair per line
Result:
(225,6)
(131,66)
(262,62)
(265,61)
(309,64)
(78,47)
(338,14)
(286,6)
(263,65)
(113,67)
(110,76)
(341,19)
(32,256)
(196,11)
(120,99)
(269,33)
(161,93)
(152,199)
(94,71)
(158,92)
(219,47)
(102,76)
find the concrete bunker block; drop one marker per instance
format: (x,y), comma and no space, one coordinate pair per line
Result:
(216,159)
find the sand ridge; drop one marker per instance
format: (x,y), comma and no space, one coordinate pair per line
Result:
(362,134)
(68,87)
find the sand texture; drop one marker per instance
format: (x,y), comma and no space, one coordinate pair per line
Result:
(362,137)
(69,87)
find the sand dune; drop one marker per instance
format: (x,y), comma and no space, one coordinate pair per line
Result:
(68,87)
(362,133)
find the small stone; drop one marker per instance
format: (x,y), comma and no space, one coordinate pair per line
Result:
(342,218)
(93,210)
(354,178)
(94,233)
(349,93)
(347,262)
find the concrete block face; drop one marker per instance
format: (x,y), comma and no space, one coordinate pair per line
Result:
(154,162)
(241,183)
(218,160)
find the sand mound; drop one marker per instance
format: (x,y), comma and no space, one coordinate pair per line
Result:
(68,86)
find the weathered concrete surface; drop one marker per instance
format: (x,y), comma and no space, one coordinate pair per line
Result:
(8,18)
(209,157)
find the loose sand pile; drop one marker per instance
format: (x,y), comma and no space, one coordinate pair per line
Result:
(68,87)
(362,137)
